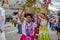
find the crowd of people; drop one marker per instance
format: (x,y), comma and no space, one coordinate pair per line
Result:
(32,27)
(35,27)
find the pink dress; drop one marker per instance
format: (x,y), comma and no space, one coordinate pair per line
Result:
(24,35)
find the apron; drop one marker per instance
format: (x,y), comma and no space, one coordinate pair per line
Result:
(43,33)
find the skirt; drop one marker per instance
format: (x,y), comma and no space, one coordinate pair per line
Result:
(24,37)
(58,29)
(43,34)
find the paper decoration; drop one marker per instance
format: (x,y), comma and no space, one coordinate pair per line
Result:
(6,1)
(11,2)
(15,3)
(46,2)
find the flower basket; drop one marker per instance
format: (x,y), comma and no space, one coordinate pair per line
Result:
(37,11)
(44,11)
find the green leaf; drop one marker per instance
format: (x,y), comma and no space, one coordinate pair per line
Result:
(59,13)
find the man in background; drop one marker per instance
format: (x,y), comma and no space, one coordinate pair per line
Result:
(2,21)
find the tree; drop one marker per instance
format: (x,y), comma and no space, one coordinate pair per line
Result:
(59,13)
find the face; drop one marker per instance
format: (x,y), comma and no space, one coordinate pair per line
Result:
(29,19)
(43,16)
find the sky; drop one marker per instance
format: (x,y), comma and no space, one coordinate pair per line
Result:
(55,6)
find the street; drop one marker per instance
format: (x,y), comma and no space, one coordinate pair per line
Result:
(11,34)
(36,7)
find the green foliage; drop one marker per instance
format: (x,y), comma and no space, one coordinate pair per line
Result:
(17,2)
(59,13)
(37,11)
(28,3)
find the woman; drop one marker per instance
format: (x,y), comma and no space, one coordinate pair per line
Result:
(37,28)
(58,28)
(27,28)
(43,33)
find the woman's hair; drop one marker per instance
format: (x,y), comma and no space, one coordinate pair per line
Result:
(43,14)
(59,20)
(27,14)
(31,15)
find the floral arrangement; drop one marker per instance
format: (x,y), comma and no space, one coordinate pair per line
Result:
(29,3)
(46,2)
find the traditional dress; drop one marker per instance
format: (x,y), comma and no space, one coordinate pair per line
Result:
(43,33)
(28,32)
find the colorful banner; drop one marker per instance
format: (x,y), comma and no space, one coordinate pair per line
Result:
(16,3)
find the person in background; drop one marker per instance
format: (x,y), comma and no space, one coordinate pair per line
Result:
(15,18)
(58,28)
(2,21)
(3,2)
(50,21)
(53,21)
(20,25)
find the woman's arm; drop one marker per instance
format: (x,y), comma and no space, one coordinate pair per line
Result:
(21,14)
(21,17)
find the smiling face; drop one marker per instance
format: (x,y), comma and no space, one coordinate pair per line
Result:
(28,19)
(43,16)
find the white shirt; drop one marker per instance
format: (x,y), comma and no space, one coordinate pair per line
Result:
(2,12)
(19,21)
(2,18)
(44,22)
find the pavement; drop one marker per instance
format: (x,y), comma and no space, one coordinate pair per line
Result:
(11,34)
(53,34)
